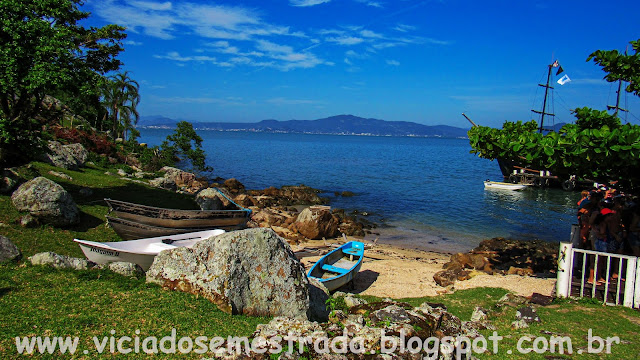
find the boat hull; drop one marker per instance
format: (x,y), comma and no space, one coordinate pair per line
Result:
(179,218)
(131,230)
(142,251)
(340,266)
(491,185)
(506,167)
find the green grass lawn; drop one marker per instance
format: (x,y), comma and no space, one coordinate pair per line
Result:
(93,209)
(41,301)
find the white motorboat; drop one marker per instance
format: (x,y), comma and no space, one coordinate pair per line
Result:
(503,185)
(141,251)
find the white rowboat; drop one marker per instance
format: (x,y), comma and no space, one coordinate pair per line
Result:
(503,185)
(141,251)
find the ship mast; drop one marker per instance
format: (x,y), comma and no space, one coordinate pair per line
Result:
(617,107)
(546,94)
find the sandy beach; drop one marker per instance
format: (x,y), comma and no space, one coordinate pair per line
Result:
(389,271)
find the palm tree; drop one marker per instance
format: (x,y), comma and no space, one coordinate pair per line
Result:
(121,96)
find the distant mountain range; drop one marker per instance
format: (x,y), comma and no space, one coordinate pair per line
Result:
(337,125)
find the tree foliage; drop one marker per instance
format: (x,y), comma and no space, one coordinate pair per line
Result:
(120,96)
(44,50)
(620,67)
(185,145)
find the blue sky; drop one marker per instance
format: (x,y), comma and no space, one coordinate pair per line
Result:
(420,61)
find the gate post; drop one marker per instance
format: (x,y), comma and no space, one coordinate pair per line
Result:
(565,262)
(630,285)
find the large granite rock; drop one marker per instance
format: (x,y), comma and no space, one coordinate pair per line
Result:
(212,199)
(163,183)
(364,326)
(176,179)
(9,179)
(72,156)
(47,201)
(233,185)
(251,272)
(60,261)
(125,269)
(316,222)
(8,251)
(318,296)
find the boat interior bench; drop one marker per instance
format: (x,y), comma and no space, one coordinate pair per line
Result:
(352,251)
(334,269)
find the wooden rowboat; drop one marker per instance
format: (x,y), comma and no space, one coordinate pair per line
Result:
(503,185)
(136,221)
(131,230)
(179,218)
(142,251)
(340,266)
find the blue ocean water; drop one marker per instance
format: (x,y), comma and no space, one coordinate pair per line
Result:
(427,192)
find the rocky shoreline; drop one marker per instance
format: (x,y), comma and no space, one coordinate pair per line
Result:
(296,213)
(247,280)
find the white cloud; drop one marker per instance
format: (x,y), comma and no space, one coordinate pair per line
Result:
(304,3)
(175,56)
(393,62)
(356,55)
(291,59)
(370,3)
(196,100)
(435,41)
(148,5)
(166,21)
(285,101)
(404,28)
(370,34)
(331,32)
(345,40)
(240,36)
(387,45)
(132,43)
(268,46)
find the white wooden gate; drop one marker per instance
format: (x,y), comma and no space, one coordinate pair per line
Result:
(573,275)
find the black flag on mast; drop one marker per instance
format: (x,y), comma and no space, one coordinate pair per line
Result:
(560,70)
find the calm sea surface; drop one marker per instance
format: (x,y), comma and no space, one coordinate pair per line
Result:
(428,192)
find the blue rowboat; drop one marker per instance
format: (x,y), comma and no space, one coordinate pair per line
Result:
(340,266)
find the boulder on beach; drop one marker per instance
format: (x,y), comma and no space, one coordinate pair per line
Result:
(8,250)
(71,157)
(318,296)
(397,322)
(213,199)
(60,261)
(316,222)
(163,183)
(9,179)
(245,200)
(287,196)
(502,256)
(233,185)
(46,201)
(175,179)
(252,272)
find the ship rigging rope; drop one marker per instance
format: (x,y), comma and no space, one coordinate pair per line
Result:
(563,102)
